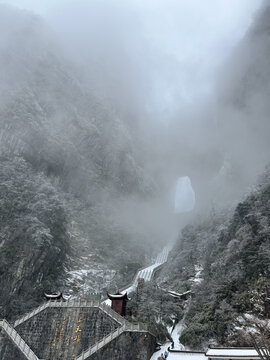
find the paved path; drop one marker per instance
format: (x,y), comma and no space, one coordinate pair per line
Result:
(147,272)
(175,334)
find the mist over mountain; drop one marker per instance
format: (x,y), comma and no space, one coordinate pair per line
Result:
(225,143)
(100,116)
(76,143)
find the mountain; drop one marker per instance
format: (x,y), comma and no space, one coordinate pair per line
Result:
(223,257)
(224,144)
(68,162)
(230,250)
(242,108)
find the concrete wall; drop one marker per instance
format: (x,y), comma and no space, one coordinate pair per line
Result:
(128,346)
(8,350)
(63,333)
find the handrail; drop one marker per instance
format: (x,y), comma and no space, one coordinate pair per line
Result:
(109,311)
(18,340)
(31,314)
(111,336)
(51,303)
(85,303)
(69,304)
(98,345)
(124,324)
(163,259)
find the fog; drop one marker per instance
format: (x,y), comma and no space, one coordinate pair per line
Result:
(190,81)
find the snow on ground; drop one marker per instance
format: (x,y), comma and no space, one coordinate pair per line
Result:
(147,273)
(197,278)
(87,280)
(179,328)
(248,353)
(187,356)
(177,333)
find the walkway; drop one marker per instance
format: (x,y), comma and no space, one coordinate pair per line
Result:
(18,341)
(175,334)
(147,272)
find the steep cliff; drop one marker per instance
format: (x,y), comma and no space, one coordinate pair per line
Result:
(231,251)
(223,258)
(65,159)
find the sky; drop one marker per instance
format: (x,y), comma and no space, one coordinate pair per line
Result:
(196,34)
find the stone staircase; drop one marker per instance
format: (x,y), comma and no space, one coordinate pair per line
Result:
(113,335)
(124,326)
(18,341)
(31,314)
(70,304)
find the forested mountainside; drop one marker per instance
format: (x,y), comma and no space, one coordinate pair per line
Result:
(242,110)
(33,237)
(223,258)
(64,159)
(231,251)
(229,146)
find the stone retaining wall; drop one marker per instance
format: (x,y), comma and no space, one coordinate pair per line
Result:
(63,333)
(128,346)
(8,350)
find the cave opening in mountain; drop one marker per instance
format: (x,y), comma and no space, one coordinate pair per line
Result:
(184,199)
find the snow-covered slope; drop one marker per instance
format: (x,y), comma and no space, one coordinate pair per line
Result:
(80,147)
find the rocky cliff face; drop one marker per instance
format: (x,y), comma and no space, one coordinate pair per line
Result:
(65,158)
(34,239)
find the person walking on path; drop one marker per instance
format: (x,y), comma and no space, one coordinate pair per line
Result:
(166,354)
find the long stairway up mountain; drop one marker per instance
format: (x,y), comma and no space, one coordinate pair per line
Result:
(146,273)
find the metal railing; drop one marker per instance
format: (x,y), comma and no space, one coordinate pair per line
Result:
(70,304)
(113,314)
(18,341)
(113,335)
(31,314)
(160,261)
(108,338)
(125,325)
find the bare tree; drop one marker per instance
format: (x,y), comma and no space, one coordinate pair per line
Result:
(258,334)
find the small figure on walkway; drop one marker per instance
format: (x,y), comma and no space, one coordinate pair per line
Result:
(162,356)
(166,354)
(172,346)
